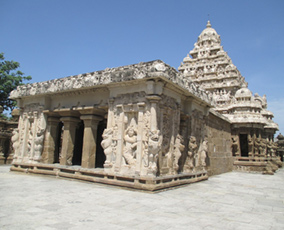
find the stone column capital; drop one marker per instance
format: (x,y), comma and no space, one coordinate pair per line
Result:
(91,117)
(69,119)
(53,119)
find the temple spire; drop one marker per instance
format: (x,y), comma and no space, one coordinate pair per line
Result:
(208,24)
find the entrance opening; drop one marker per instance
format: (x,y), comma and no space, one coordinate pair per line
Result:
(78,146)
(58,142)
(100,156)
(244,145)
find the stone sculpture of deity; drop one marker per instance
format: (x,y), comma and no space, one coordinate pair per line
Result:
(203,152)
(192,149)
(107,145)
(178,148)
(130,140)
(250,146)
(235,146)
(15,141)
(154,147)
(38,141)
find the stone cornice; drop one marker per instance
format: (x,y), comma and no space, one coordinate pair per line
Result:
(88,81)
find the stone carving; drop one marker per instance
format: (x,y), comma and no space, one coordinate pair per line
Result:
(107,144)
(202,154)
(178,149)
(38,141)
(124,73)
(235,146)
(257,146)
(15,142)
(130,139)
(30,143)
(191,153)
(250,146)
(215,72)
(154,148)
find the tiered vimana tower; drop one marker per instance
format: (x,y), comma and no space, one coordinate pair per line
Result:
(210,66)
(252,126)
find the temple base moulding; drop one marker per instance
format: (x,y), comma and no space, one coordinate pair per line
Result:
(98,175)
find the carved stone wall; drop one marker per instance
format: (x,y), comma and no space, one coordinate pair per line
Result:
(219,137)
(28,138)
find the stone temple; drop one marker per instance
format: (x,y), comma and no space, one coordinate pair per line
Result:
(147,126)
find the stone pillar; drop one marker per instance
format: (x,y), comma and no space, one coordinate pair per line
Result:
(141,107)
(33,122)
(24,137)
(110,116)
(153,100)
(50,140)
(90,140)
(120,138)
(68,141)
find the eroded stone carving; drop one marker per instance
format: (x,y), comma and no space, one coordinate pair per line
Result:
(200,160)
(130,139)
(107,144)
(154,148)
(15,142)
(38,144)
(192,150)
(178,149)
(235,146)
(124,73)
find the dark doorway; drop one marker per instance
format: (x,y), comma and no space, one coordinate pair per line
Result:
(78,146)
(58,142)
(100,156)
(244,145)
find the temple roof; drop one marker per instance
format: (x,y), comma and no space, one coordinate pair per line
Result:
(142,70)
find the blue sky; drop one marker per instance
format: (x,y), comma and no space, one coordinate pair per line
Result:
(58,38)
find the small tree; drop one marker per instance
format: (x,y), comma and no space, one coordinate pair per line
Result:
(10,78)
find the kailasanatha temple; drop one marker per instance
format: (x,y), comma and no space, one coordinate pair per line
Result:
(147,126)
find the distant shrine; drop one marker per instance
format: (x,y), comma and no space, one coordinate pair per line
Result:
(147,126)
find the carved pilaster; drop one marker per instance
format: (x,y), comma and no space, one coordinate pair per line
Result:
(153,100)
(141,107)
(110,117)
(120,136)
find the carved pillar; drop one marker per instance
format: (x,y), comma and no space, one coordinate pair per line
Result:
(50,140)
(110,116)
(68,141)
(24,136)
(120,136)
(141,107)
(153,100)
(33,122)
(90,140)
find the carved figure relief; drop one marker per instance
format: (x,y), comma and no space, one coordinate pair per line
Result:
(107,145)
(235,146)
(250,145)
(192,149)
(129,151)
(202,154)
(15,142)
(38,141)
(154,147)
(257,146)
(178,149)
